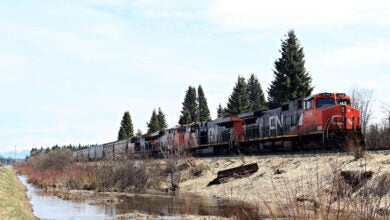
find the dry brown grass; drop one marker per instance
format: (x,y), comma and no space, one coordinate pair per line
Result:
(14,203)
(308,187)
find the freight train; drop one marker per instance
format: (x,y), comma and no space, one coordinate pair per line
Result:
(319,121)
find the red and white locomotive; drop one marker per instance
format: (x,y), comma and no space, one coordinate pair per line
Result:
(317,121)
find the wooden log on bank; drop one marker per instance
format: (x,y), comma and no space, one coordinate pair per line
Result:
(236,173)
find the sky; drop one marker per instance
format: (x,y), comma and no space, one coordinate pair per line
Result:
(70,69)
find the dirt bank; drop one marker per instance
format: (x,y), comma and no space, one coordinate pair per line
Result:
(314,180)
(14,203)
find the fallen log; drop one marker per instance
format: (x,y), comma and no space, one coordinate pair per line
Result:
(236,173)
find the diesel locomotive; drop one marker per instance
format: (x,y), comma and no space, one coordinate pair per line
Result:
(320,121)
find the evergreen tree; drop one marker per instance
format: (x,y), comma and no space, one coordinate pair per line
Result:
(291,81)
(255,93)
(185,118)
(126,130)
(239,99)
(203,108)
(122,134)
(139,132)
(153,124)
(189,112)
(162,124)
(220,111)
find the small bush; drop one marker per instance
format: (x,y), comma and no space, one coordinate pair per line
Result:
(353,145)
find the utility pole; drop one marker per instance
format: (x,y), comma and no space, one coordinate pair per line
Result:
(15,154)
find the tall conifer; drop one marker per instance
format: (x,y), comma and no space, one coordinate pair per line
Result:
(121,134)
(162,124)
(126,130)
(255,93)
(189,112)
(220,111)
(203,108)
(291,81)
(153,124)
(239,99)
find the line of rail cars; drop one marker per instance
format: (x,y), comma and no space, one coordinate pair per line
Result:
(317,121)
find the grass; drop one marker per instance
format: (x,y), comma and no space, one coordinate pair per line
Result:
(14,203)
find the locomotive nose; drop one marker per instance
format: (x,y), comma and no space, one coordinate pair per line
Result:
(351,117)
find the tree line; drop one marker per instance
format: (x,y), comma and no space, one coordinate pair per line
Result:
(291,81)
(36,151)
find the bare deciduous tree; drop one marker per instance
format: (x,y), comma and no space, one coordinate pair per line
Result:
(362,100)
(386,119)
(386,125)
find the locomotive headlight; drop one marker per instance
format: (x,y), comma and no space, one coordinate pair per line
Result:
(342,109)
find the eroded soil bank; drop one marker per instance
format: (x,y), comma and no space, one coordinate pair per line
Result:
(305,185)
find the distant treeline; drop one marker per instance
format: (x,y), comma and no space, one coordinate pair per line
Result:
(6,160)
(35,151)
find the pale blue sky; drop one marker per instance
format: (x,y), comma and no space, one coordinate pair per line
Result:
(70,69)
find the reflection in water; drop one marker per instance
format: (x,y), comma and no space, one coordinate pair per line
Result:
(182,204)
(51,207)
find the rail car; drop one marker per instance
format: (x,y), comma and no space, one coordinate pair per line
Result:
(318,121)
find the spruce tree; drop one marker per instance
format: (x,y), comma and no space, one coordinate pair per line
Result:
(255,93)
(203,108)
(189,112)
(162,124)
(185,118)
(153,124)
(121,134)
(239,99)
(126,130)
(220,111)
(291,81)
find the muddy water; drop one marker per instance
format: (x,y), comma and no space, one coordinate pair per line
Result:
(51,207)
(185,204)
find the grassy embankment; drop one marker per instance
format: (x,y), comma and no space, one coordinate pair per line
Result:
(13,201)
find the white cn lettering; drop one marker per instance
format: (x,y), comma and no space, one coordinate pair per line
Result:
(277,122)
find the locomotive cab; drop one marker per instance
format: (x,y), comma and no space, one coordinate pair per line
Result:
(326,112)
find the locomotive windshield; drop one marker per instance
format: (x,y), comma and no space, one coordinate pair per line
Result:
(343,102)
(324,102)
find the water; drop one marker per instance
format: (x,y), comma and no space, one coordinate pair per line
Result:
(182,204)
(51,207)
